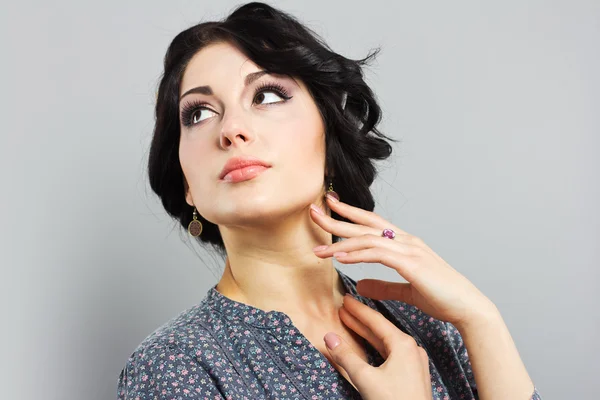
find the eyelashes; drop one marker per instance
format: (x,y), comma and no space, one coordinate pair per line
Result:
(189,110)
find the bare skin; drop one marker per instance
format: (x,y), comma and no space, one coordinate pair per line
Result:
(264,222)
(315,327)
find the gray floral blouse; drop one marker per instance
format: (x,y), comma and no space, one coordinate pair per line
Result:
(224,349)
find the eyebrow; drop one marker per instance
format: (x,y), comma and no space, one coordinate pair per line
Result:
(207,90)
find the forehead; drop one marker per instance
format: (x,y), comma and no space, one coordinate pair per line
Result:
(217,63)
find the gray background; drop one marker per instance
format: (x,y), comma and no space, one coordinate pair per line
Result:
(498,109)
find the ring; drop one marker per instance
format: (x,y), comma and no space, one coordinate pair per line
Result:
(388,233)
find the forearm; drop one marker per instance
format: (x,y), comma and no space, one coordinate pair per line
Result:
(497,367)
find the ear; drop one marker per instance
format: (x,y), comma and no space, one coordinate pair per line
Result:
(188,195)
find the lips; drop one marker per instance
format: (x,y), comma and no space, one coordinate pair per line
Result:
(239,168)
(244,174)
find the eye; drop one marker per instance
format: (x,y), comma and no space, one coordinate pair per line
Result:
(262,95)
(196,116)
(192,114)
(267,91)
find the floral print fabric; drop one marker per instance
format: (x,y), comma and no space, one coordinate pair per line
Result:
(224,349)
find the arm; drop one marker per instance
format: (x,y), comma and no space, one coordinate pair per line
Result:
(497,367)
(165,372)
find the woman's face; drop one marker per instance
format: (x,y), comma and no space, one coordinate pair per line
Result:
(253,120)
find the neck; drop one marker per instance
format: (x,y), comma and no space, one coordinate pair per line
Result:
(274,268)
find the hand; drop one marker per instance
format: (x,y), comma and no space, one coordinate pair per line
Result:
(433,285)
(405,372)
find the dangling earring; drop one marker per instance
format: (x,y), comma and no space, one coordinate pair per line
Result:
(195,226)
(330,190)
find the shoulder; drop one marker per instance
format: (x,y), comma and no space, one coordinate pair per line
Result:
(191,328)
(175,357)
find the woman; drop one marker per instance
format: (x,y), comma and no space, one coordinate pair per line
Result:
(264,147)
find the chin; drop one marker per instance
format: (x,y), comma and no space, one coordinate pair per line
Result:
(244,211)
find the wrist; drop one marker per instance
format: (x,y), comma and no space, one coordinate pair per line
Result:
(479,318)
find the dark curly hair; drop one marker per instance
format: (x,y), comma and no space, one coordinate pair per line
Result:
(280,44)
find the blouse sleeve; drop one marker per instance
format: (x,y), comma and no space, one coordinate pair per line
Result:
(461,351)
(165,372)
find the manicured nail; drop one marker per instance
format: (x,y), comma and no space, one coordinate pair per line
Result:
(331,340)
(340,254)
(320,248)
(317,209)
(332,198)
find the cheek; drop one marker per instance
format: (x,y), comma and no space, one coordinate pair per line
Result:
(302,150)
(303,131)
(195,161)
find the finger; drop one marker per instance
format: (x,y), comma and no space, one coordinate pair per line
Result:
(407,259)
(408,266)
(350,230)
(360,216)
(368,241)
(350,321)
(340,228)
(372,220)
(429,278)
(382,328)
(378,289)
(343,355)
(426,373)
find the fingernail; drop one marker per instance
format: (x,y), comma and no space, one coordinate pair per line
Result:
(320,248)
(331,340)
(317,209)
(332,198)
(340,254)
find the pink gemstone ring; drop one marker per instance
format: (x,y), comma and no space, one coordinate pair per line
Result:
(388,233)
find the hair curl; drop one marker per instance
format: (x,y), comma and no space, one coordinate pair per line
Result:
(280,44)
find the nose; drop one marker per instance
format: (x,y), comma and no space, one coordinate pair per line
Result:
(235,132)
